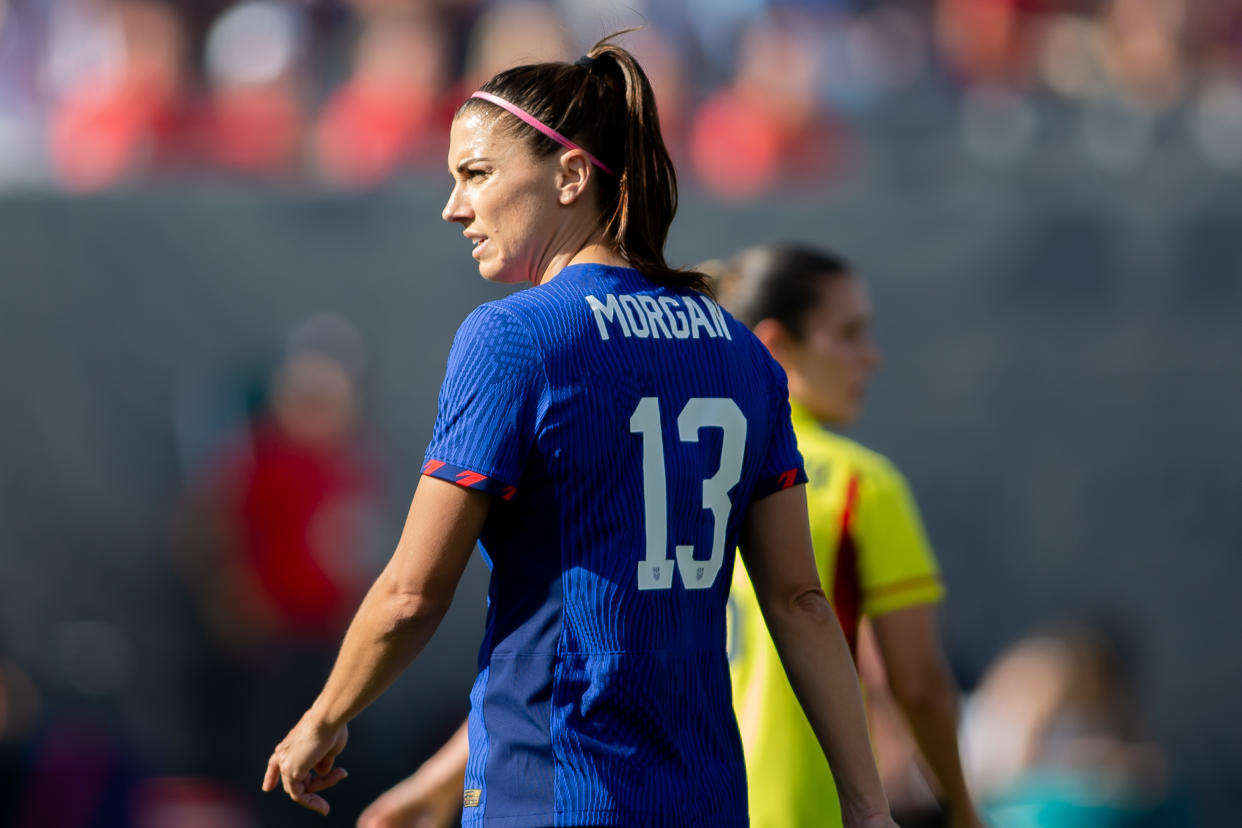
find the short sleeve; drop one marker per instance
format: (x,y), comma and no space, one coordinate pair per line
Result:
(896,564)
(782,463)
(489,404)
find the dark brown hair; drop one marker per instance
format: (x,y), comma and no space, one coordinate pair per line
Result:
(604,103)
(776,281)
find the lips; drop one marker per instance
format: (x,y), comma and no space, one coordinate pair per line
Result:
(477,240)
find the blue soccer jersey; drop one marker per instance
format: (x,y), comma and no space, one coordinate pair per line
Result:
(624,428)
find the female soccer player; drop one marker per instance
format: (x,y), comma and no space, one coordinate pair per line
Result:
(872,556)
(607,436)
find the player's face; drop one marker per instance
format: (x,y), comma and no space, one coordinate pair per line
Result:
(829,368)
(504,198)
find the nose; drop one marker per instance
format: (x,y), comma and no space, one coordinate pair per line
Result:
(455,208)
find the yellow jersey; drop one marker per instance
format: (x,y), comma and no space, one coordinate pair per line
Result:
(873,557)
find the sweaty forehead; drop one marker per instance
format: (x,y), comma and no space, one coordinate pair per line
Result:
(475,133)
(481,129)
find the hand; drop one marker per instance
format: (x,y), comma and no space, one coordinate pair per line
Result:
(429,798)
(308,747)
(404,808)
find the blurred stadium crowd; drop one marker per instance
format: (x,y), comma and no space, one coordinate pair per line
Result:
(757,96)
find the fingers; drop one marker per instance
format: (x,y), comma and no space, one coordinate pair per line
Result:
(292,784)
(272,776)
(303,790)
(303,765)
(319,783)
(313,802)
(300,791)
(307,790)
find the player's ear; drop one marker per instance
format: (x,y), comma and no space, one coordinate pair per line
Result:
(572,176)
(776,337)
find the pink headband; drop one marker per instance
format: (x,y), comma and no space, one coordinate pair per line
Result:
(541,126)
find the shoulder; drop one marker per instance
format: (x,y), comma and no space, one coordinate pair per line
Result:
(871,467)
(880,483)
(495,323)
(495,343)
(746,341)
(541,314)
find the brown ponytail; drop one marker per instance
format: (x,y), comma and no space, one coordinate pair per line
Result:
(605,104)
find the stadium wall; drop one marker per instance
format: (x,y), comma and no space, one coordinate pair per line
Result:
(1061,385)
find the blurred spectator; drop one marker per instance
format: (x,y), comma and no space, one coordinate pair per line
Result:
(985,40)
(662,61)
(94,92)
(119,66)
(390,110)
(1055,736)
(1069,57)
(278,556)
(254,58)
(163,802)
(512,34)
(1143,43)
(80,773)
(872,54)
(768,127)
(1216,124)
(23,32)
(67,759)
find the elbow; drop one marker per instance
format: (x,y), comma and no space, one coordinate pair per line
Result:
(404,610)
(811,605)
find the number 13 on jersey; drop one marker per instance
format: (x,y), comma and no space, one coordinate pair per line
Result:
(655,571)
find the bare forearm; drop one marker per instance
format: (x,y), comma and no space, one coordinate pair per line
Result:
(397,617)
(431,796)
(448,764)
(388,631)
(818,663)
(932,716)
(923,688)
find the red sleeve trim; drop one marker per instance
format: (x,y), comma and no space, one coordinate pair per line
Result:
(468,478)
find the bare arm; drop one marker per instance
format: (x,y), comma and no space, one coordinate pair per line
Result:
(777,551)
(925,692)
(396,619)
(428,798)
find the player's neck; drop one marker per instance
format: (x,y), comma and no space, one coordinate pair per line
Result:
(593,252)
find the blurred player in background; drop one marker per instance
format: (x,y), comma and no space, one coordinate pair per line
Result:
(273,541)
(608,437)
(1055,734)
(873,559)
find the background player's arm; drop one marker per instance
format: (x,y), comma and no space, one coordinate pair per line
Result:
(430,797)
(396,619)
(776,547)
(924,689)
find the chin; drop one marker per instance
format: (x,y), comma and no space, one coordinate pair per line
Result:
(492,273)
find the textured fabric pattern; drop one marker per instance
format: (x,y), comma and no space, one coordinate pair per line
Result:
(633,425)
(865,528)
